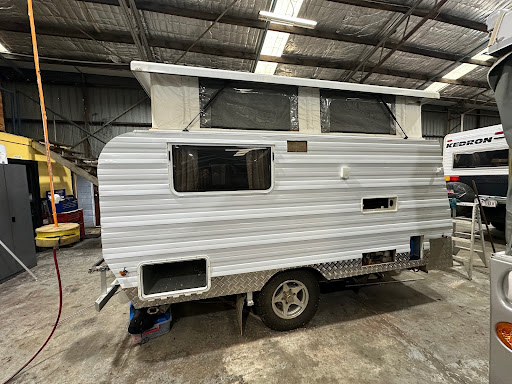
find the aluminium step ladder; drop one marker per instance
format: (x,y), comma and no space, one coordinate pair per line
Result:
(469,238)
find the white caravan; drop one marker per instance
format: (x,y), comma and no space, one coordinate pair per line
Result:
(479,155)
(192,212)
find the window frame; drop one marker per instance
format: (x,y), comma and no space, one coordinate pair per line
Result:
(479,167)
(223,144)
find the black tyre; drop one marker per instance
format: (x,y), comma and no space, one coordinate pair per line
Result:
(289,300)
(499,225)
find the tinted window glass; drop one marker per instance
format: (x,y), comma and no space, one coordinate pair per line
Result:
(215,168)
(485,159)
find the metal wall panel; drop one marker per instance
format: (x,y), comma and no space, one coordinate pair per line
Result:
(434,124)
(107,103)
(66,100)
(311,215)
(104,104)
(85,195)
(487,121)
(470,122)
(437,124)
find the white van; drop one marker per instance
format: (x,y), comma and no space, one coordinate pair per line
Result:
(480,155)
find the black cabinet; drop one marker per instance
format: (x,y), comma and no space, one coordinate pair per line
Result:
(16,229)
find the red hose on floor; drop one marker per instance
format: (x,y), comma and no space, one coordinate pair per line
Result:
(54,326)
(50,175)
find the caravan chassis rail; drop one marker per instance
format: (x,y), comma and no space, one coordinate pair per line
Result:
(254,281)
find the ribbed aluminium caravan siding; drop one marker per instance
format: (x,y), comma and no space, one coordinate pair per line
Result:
(311,216)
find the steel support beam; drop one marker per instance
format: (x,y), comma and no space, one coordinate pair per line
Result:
(263,37)
(62,117)
(109,122)
(66,163)
(151,6)
(432,12)
(141,30)
(400,8)
(132,28)
(346,65)
(383,40)
(206,31)
(308,62)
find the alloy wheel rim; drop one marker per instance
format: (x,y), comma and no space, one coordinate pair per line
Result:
(290,299)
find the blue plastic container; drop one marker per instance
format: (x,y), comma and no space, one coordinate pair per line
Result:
(67,203)
(161,327)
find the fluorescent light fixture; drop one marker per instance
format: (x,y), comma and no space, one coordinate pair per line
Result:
(3,49)
(287,20)
(275,42)
(436,86)
(460,71)
(265,68)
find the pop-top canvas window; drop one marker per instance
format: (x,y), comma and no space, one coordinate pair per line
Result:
(198,168)
(246,105)
(355,112)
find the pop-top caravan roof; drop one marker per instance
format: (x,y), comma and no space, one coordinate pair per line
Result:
(142,71)
(182,98)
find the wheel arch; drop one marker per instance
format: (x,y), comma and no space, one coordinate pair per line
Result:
(315,272)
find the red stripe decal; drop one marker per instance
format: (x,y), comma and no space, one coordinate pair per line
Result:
(151,331)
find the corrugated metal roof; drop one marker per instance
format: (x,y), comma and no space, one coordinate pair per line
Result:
(225,40)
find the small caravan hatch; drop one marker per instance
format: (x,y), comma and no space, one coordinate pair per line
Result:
(174,277)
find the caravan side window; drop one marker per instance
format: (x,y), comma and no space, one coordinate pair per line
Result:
(484,159)
(201,168)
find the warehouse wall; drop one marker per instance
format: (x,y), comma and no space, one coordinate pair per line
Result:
(438,121)
(85,197)
(88,107)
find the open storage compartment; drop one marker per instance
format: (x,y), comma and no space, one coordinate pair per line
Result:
(379,257)
(416,252)
(378,204)
(174,277)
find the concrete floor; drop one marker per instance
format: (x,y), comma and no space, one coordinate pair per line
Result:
(430,330)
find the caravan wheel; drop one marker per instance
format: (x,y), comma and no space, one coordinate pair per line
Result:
(289,300)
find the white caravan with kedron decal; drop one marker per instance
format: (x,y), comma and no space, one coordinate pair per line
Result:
(479,155)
